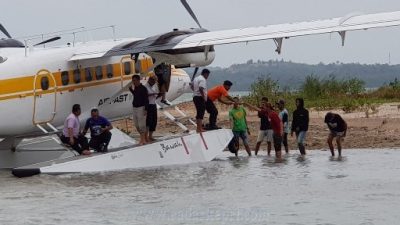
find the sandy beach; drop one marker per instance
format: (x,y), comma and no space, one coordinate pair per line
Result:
(380,130)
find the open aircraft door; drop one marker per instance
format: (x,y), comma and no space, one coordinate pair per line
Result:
(44,97)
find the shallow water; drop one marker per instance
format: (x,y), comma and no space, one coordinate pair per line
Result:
(363,188)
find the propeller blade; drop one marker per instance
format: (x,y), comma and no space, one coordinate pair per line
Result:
(48,41)
(3,29)
(195,73)
(190,11)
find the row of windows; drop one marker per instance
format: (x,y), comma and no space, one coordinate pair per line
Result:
(89,75)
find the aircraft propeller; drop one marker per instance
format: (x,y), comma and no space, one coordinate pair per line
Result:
(190,11)
(4,31)
(48,41)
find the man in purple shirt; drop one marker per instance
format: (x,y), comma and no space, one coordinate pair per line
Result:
(99,131)
(71,132)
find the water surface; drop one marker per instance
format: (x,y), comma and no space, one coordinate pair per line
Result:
(363,188)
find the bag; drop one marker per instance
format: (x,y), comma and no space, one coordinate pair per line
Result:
(233,145)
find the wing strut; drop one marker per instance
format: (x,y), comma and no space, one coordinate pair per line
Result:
(278,43)
(343,36)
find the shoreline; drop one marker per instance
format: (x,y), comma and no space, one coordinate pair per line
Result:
(380,130)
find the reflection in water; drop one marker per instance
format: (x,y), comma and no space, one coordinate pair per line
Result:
(255,190)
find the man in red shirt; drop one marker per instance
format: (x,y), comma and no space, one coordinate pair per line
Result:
(276,125)
(220,93)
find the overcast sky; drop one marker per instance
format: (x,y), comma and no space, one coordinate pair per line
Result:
(142,18)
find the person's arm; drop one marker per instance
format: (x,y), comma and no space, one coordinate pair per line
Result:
(202,92)
(131,89)
(86,128)
(223,101)
(285,119)
(108,127)
(231,119)
(294,121)
(245,121)
(307,118)
(146,99)
(252,107)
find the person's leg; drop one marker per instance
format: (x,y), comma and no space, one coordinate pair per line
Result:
(330,144)
(213,111)
(142,125)
(260,138)
(200,110)
(83,143)
(285,142)
(104,141)
(300,141)
(95,143)
(339,145)
(243,135)
(278,146)
(269,136)
(151,121)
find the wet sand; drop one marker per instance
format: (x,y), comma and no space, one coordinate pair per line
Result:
(380,130)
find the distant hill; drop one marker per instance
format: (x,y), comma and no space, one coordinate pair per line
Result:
(290,74)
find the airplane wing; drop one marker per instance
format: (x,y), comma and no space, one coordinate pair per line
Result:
(278,32)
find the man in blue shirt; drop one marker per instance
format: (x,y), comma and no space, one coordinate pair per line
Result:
(99,131)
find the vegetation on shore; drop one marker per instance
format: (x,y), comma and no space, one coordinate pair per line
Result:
(325,94)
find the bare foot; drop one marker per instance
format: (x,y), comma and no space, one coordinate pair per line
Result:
(86,152)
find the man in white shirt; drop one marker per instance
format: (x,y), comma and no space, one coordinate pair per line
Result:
(200,97)
(151,118)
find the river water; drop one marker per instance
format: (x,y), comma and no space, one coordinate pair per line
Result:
(362,188)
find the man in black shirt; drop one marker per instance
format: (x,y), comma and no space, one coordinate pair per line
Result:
(265,132)
(140,104)
(338,128)
(300,124)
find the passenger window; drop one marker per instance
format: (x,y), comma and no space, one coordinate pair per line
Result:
(77,76)
(88,74)
(44,82)
(127,68)
(99,72)
(110,71)
(64,78)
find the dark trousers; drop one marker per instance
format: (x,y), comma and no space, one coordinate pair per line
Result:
(200,107)
(285,140)
(213,111)
(80,143)
(277,142)
(100,141)
(151,119)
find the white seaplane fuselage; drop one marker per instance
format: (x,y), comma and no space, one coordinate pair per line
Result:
(24,103)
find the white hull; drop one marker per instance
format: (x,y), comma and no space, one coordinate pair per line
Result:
(178,150)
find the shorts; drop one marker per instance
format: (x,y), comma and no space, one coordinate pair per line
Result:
(242,135)
(139,119)
(338,134)
(265,135)
(200,107)
(301,137)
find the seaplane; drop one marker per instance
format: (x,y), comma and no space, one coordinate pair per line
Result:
(39,85)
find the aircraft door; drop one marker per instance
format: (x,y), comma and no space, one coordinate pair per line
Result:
(44,97)
(127,68)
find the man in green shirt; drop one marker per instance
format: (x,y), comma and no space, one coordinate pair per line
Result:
(237,116)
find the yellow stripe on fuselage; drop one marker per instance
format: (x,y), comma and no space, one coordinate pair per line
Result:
(24,86)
